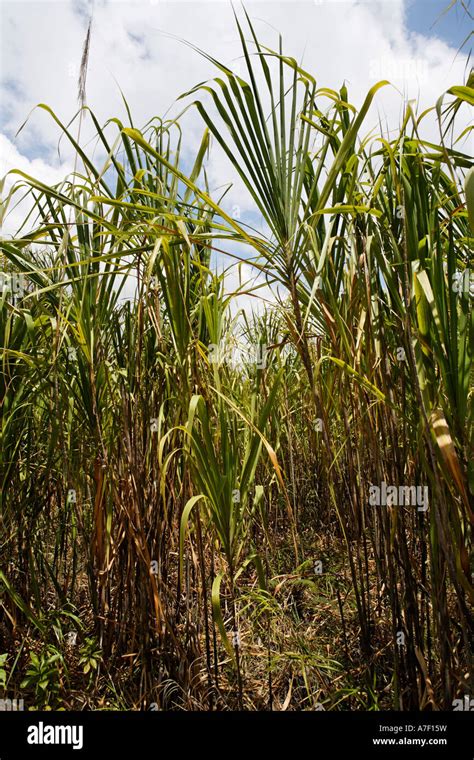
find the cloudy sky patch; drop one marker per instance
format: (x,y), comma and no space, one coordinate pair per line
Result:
(138,48)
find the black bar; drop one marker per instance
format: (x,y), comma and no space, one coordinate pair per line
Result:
(318,734)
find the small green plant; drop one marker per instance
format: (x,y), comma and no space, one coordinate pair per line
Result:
(44,676)
(90,655)
(3,672)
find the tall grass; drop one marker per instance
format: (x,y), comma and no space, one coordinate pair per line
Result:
(205,527)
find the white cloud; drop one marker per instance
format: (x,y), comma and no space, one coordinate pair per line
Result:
(134,45)
(11,158)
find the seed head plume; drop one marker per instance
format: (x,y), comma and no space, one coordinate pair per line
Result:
(81,84)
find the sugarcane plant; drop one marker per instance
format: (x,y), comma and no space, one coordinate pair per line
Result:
(193,489)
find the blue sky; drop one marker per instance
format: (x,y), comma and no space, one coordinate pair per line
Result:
(427,17)
(134,44)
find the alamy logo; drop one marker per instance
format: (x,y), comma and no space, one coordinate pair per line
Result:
(395,496)
(233,355)
(42,734)
(11,705)
(13,284)
(464,704)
